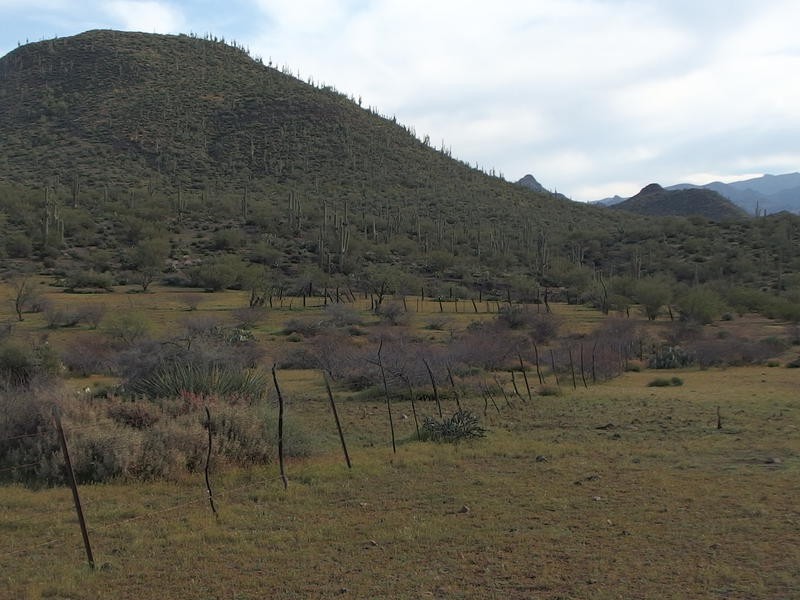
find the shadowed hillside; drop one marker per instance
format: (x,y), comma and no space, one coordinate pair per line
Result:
(655,201)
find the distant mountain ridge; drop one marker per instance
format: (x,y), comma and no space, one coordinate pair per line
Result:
(655,201)
(770,193)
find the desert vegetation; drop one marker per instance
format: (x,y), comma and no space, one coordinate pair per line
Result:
(295,351)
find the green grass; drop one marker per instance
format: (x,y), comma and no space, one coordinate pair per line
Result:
(656,503)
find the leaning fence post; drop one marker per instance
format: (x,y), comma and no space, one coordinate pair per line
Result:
(525,376)
(583,372)
(538,369)
(488,392)
(453,385)
(336,418)
(73,484)
(413,406)
(435,391)
(572,368)
(514,383)
(388,399)
(553,363)
(208,462)
(503,391)
(280,428)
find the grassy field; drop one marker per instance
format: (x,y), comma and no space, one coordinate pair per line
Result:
(616,491)
(619,491)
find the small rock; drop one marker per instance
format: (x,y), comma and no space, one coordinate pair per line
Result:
(464,509)
(541,458)
(597,498)
(773,461)
(607,426)
(373,542)
(593,478)
(624,532)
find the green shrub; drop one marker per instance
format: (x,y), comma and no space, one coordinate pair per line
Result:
(128,328)
(18,245)
(462,425)
(142,441)
(676,381)
(89,280)
(659,382)
(20,364)
(669,357)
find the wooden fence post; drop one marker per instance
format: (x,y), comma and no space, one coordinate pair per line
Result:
(435,391)
(538,370)
(74,485)
(336,418)
(388,399)
(503,391)
(583,372)
(413,405)
(208,462)
(572,368)
(453,385)
(553,364)
(280,428)
(525,377)
(514,383)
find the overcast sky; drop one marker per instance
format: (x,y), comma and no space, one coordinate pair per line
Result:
(593,97)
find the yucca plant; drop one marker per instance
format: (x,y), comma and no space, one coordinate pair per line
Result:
(462,425)
(202,380)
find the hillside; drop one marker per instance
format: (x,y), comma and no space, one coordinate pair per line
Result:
(175,129)
(127,154)
(655,201)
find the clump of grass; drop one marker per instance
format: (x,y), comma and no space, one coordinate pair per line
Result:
(659,382)
(207,380)
(664,382)
(462,425)
(549,390)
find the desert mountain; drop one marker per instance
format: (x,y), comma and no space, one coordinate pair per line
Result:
(128,133)
(770,193)
(655,201)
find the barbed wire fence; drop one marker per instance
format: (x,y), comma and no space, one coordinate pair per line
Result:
(612,359)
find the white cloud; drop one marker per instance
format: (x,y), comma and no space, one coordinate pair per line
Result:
(147,16)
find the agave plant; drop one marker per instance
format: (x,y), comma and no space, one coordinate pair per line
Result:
(172,380)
